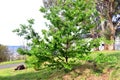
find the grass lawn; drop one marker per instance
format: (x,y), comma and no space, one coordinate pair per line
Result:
(11,62)
(29,74)
(81,72)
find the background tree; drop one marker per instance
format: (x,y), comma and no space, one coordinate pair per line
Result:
(107,9)
(4,53)
(63,43)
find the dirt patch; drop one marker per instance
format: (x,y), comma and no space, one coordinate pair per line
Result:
(67,77)
(87,72)
(104,76)
(88,76)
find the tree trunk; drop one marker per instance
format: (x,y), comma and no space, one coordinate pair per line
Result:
(66,59)
(109,47)
(111,36)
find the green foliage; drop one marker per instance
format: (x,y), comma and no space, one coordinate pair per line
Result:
(32,61)
(22,52)
(102,58)
(64,39)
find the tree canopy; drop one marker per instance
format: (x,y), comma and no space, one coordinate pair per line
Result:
(63,43)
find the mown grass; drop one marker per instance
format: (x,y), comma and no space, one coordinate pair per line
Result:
(30,74)
(81,72)
(11,62)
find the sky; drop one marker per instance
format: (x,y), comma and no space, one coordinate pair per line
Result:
(16,12)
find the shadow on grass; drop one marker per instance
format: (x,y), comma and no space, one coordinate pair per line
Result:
(44,74)
(36,75)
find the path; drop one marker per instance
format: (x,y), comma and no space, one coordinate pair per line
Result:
(10,65)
